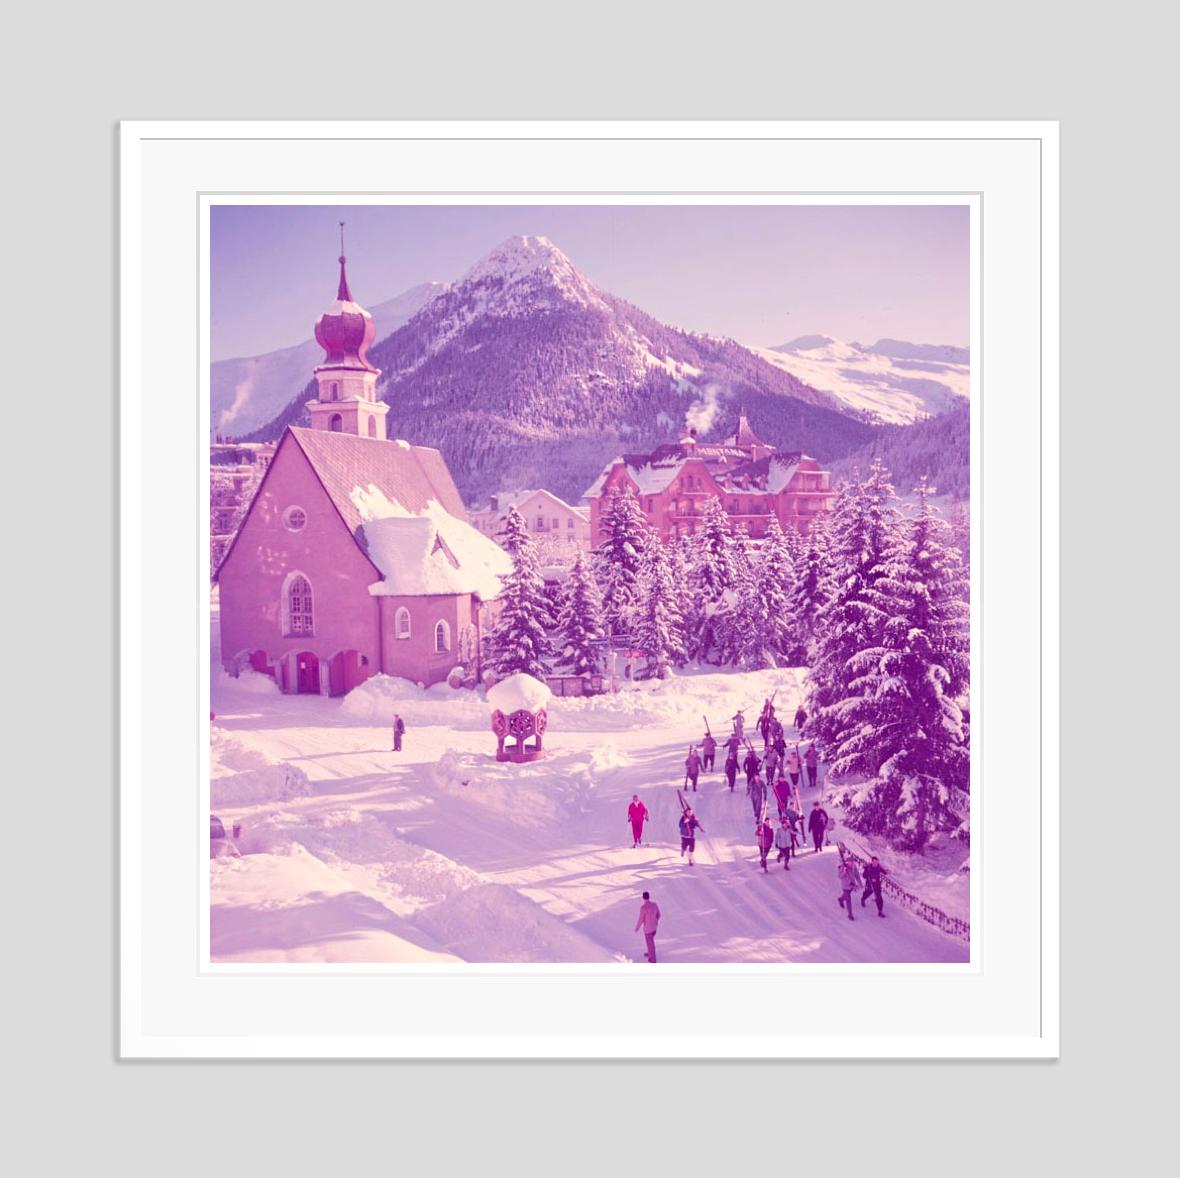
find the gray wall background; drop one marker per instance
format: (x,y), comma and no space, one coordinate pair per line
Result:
(72,74)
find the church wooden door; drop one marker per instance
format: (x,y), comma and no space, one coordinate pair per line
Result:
(308,674)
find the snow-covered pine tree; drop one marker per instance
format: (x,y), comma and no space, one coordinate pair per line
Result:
(710,578)
(520,639)
(579,622)
(731,626)
(679,554)
(862,529)
(617,559)
(658,626)
(903,725)
(767,626)
(810,587)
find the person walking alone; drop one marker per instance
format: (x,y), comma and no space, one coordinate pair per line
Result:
(649,921)
(849,879)
(399,730)
(800,719)
(688,836)
(764,836)
(692,767)
(637,816)
(817,823)
(784,840)
(874,873)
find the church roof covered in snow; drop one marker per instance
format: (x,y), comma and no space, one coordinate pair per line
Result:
(432,554)
(410,476)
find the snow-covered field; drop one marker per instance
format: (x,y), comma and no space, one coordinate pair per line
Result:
(353,853)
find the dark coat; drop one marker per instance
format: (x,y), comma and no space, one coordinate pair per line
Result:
(874,873)
(689,826)
(818,822)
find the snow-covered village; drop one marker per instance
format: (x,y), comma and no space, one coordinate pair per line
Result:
(544,632)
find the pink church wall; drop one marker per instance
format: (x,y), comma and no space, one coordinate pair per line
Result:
(415,657)
(252,577)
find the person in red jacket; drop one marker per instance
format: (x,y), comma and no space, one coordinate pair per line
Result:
(764,836)
(637,816)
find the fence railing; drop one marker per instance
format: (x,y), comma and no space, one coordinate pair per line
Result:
(954,926)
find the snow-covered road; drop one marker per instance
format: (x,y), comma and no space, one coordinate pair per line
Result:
(439,852)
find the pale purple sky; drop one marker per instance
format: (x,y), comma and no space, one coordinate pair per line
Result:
(762,274)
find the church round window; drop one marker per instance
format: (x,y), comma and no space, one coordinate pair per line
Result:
(294,519)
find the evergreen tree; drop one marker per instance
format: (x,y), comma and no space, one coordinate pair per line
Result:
(679,554)
(810,587)
(863,528)
(659,627)
(520,640)
(580,620)
(619,556)
(767,625)
(903,725)
(710,578)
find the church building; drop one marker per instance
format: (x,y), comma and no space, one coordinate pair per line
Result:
(355,555)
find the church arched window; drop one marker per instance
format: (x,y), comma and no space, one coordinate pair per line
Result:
(442,638)
(297,609)
(401,622)
(372,427)
(336,423)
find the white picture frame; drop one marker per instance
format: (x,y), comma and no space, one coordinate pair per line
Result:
(174,1003)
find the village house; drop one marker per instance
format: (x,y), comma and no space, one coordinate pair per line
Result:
(560,530)
(750,477)
(355,555)
(235,470)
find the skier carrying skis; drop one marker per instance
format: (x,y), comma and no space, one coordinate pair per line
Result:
(796,821)
(782,795)
(849,879)
(817,823)
(739,725)
(764,836)
(765,718)
(399,728)
(751,765)
(756,792)
(784,840)
(692,766)
(771,763)
(794,765)
(800,718)
(731,766)
(649,921)
(688,838)
(873,875)
(708,751)
(812,762)
(637,816)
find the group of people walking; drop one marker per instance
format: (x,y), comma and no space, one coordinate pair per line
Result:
(780,770)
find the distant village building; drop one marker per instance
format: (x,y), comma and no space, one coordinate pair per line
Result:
(560,530)
(235,470)
(355,555)
(750,477)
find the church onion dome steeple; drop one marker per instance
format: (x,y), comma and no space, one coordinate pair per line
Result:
(345,330)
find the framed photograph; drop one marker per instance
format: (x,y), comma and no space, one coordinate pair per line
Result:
(619,562)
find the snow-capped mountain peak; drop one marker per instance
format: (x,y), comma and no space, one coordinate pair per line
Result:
(523,268)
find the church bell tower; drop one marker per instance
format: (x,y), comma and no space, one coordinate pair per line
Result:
(346,382)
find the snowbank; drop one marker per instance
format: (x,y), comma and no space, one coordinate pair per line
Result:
(534,794)
(494,923)
(242,776)
(519,692)
(678,702)
(378,698)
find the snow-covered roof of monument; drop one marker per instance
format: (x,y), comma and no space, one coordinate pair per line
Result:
(519,692)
